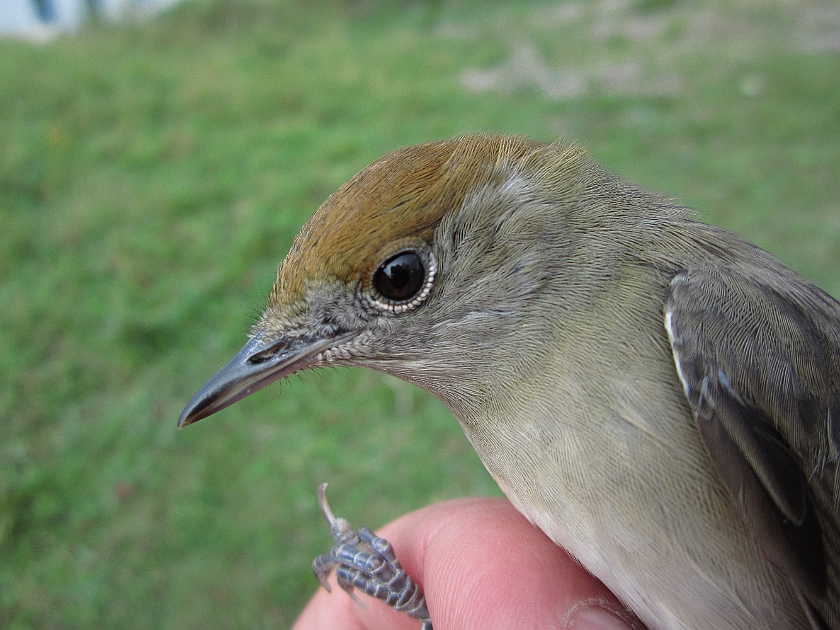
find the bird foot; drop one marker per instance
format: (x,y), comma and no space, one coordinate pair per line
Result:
(367,562)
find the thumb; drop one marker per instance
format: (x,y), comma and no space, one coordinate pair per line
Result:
(482,566)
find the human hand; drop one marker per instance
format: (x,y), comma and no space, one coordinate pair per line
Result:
(482,566)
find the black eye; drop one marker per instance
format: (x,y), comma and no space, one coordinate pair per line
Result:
(401,277)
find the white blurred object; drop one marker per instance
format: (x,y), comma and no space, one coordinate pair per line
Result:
(40,20)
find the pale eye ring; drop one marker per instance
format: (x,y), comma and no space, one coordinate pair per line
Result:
(403,280)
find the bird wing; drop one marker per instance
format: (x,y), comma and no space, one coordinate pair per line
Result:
(758,355)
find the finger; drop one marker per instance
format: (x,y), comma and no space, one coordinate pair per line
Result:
(337,609)
(483,566)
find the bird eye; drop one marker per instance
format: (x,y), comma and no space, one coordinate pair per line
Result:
(400,277)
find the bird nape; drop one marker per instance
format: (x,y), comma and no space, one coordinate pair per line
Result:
(657,395)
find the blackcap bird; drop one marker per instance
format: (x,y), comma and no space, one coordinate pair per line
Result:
(660,397)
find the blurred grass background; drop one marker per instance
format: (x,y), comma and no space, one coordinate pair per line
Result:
(153,175)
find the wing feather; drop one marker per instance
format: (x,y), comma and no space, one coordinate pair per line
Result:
(759,360)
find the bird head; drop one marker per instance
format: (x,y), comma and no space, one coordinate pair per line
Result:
(444,264)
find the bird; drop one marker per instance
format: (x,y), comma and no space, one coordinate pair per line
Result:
(657,395)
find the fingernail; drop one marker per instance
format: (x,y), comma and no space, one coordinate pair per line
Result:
(598,619)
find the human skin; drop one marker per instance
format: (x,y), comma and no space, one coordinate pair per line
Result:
(482,565)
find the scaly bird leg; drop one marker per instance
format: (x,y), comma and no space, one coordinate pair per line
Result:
(367,562)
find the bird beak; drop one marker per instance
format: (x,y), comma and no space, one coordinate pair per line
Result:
(256,365)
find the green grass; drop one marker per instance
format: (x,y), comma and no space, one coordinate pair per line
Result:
(152,176)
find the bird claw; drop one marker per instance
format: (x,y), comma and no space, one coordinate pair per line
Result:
(366,562)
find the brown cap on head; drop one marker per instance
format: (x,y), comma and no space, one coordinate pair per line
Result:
(403,195)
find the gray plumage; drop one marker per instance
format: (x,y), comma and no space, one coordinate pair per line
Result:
(657,395)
